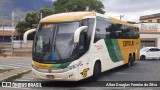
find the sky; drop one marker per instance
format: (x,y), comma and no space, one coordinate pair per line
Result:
(131,10)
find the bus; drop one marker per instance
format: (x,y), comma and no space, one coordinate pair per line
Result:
(76,45)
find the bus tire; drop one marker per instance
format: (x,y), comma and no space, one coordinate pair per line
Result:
(129,64)
(95,72)
(133,59)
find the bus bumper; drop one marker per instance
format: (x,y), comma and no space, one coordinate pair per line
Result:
(71,75)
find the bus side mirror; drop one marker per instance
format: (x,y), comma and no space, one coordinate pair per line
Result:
(26,34)
(77,33)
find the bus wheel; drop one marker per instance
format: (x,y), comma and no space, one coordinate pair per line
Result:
(129,64)
(95,72)
(142,57)
(133,59)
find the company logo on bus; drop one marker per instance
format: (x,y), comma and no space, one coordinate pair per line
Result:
(84,73)
(128,43)
(99,47)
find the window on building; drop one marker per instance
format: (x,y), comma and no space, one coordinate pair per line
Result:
(158,20)
(148,44)
(149,21)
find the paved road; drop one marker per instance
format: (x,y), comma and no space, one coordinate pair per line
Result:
(14,63)
(148,70)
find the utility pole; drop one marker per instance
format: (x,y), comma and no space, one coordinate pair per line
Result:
(41,15)
(12,37)
(121,16)
(87,8)
(12,18)
(3,29)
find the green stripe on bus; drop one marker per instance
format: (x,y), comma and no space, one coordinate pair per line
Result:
(114,50)
(64,65)
(55,65)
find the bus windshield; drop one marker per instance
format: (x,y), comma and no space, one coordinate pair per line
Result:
(54,41)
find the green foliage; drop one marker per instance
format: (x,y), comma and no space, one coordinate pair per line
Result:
(31,21)
(47,11)
(21,27)
(78,5)
(19,75)
(32,18)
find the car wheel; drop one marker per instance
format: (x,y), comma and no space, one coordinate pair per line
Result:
(142,57)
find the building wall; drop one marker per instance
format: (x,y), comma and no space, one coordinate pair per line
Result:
(149,34)
(154,20)
(159,42)
(150,30)
(153,38)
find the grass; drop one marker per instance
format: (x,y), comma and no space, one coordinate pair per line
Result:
(5,70)
(17,76)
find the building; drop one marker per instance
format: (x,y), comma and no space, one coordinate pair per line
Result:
(154,18)
(150,30)
(6,33)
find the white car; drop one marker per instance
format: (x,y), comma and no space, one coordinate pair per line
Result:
(150,53)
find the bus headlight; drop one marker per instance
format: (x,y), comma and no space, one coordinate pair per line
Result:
(71,67)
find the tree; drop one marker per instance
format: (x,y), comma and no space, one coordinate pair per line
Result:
(32,19)
(78,5)
(47,11)
(21,27)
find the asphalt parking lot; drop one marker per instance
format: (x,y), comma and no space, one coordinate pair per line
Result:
(143,70)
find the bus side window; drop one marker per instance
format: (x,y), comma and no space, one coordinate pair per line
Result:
(137,33)
(108,32)
(100,32)
(82,41)
(85,36)
(118,30)
(113,34)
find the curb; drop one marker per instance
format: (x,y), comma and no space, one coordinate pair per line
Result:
(13,73)
(15,57)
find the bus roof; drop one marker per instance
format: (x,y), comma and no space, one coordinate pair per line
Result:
(122,22)
(75,16)
(66,17)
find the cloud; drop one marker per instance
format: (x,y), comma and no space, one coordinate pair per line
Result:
(132,9)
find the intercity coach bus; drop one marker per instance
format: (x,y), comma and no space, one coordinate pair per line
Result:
(76,45)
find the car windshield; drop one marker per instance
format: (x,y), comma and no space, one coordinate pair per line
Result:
(144,49)
(54,41)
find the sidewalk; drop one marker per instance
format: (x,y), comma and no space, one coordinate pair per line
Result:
(14,58)
(6,75)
